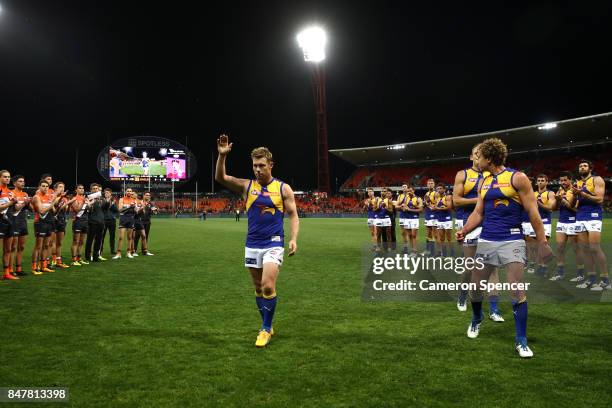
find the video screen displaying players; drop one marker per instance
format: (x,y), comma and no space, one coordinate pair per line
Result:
(137,164)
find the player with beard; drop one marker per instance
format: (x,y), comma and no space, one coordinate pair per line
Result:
(589,193)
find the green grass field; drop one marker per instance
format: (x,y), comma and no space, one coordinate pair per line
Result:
(178,328)
(154,170)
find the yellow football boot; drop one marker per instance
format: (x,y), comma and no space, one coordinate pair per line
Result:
(263,338)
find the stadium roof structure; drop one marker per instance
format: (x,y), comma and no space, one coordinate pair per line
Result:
(577,132)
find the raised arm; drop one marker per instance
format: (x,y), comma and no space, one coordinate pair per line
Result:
(291,211)
(235,184)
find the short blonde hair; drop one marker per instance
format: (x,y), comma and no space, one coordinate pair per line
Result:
(261,152)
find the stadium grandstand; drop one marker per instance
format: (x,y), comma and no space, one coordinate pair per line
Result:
(543,148)
(547,148)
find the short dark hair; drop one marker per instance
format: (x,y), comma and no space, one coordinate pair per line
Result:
(45,175)
(79,185)
(57,183)
(42,181)
(108,189)
(590,163)
(542,175)
(93,185)
(17,177)
(566,174)
(441,184)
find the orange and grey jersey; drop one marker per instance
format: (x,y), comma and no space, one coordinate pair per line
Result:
(265,211)
(82,212)
(21,197)
(128,211)
(502,208)
(5,196)
(45,200)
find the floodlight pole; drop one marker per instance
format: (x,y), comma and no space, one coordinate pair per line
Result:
(318,91)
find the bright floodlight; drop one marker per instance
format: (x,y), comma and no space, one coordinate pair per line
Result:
(312,42)
(547,126)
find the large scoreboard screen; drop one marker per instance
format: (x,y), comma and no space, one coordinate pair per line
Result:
(144,159)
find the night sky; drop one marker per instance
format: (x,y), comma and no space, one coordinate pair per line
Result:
(85,73)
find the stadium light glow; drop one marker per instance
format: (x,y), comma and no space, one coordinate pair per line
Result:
(163,151)
(396,147)
(312,42)
(547,126)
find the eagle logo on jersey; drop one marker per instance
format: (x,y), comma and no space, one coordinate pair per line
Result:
(501,201)
(265,209)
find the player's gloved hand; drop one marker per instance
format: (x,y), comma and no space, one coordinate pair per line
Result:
(545,253)
(292,247)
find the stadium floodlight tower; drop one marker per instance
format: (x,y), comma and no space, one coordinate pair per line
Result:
(312,41)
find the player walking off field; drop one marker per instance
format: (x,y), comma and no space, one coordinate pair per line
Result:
(267,201)
(502,196)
